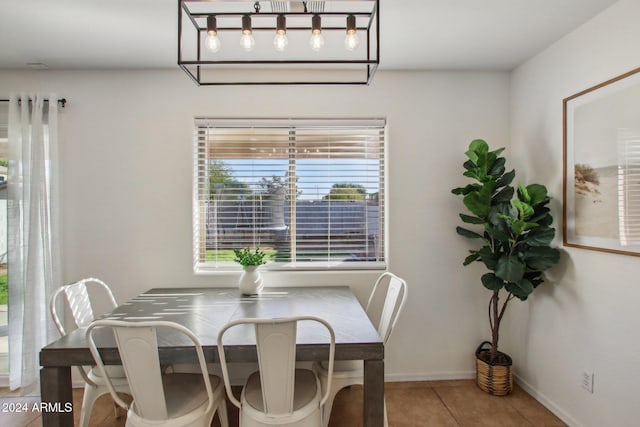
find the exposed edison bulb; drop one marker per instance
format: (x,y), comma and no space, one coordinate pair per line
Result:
(317,40)
(280,41)
(212,42)
(351,41)
(247,41)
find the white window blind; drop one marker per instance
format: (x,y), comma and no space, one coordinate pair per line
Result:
(310,193)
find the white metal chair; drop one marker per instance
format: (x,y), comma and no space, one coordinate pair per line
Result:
(174,400)
(79,302)
(351,372)
(278,394)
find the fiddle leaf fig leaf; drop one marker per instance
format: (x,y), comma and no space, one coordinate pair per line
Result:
(541,258)
(477,148)
(541,236)
(518,227)
(489,259)
(540,214)
(471,258)
(525,209)
(468,165)
(467,189)
(521,289)
(506,179)
(468,233)
(497,233)
(479,202)
(504,195)
(492,282)
(523,194)
(497,168)
(471,219)
(537,194)
(510,268)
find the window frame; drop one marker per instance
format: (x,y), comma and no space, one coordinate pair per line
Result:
(199,237)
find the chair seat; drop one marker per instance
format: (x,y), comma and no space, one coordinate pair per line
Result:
(119,378)
(185,393)
(305,390)
(113,371)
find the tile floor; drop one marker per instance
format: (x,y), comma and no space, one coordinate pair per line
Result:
(458,403)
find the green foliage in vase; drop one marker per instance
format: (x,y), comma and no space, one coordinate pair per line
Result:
(513,227)
(247,257)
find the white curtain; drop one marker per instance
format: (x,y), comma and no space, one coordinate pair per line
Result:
(34,246)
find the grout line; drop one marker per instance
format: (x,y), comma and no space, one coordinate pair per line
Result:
(524,417)
(446,407)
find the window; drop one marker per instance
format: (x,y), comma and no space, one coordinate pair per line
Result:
(310,193)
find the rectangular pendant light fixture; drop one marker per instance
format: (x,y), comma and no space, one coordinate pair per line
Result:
(236,42)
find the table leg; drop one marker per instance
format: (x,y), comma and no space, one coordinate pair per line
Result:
(373,415)
(56,395)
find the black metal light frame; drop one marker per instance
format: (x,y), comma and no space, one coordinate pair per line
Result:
(365,66)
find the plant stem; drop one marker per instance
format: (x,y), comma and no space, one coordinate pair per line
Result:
(495,324)
(504,306)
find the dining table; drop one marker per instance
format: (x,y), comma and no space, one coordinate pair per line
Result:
(205,311)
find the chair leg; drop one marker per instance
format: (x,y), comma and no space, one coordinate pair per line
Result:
(222,413)
(90,395)
(386,422)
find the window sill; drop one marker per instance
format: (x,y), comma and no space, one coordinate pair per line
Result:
(205,269)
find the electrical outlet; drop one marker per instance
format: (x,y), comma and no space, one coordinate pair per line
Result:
(587,381)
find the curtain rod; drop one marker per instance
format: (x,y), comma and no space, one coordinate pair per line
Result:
(61,101)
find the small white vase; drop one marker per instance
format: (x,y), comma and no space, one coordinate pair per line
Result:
(250,280)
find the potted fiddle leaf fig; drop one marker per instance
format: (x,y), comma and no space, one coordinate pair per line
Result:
(512,228)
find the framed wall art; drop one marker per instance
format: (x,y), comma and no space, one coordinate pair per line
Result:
(601,203)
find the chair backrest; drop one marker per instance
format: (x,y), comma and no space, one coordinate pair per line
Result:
(138,347)
(77,297)
(396,295)
(276,348)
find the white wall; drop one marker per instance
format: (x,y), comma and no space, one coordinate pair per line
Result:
(588,317)
(126,141)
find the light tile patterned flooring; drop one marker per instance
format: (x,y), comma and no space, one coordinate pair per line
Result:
(458,403)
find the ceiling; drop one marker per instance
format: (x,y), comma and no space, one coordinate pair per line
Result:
(415,34)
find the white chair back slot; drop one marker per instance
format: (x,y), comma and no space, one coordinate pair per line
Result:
(276,346)
(389,307)
(79,303)
(394,300)
(138,350)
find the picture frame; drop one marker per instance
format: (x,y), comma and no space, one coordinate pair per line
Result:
(601,171)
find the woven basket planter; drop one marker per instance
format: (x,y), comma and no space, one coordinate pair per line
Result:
(497,378)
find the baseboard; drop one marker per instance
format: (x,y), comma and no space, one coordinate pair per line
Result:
(434,376)
(4,380)
(547,403)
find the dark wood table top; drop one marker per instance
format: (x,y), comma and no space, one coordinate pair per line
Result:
(206,310)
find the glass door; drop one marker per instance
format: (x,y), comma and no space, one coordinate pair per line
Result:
(4,328)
